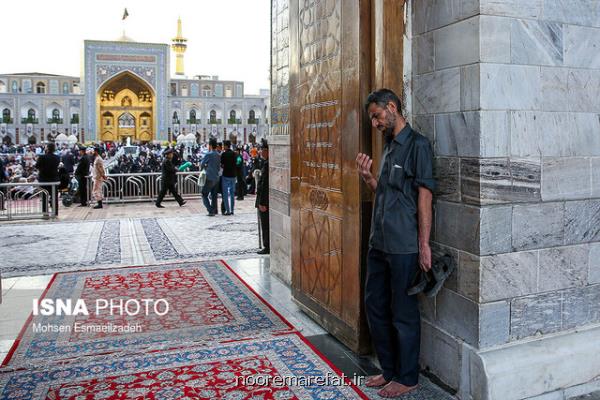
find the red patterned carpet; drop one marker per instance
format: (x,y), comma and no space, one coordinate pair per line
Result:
(219,340)
(207,301)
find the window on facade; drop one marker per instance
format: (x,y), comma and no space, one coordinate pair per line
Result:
(213,116)
(184,90)
(126,120)
(75,118)
(238,91)
(232,114)
(2,87)
(31,113)
(194,90)
(175,117)
(192,116)
(173,89)
(206,91)
(15,87)
(108,117)
(55,115)
(6,116)
(40,87)
(219,90)
(228,91)
(65,88)
(126,102)
(76,88)
(252,117)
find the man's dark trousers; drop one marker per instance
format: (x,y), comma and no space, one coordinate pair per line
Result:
(393,316)
(211,189)
(264,227)
(163,191)
(83,193)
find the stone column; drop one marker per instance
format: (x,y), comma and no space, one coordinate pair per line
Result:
(508,93)
(279,144)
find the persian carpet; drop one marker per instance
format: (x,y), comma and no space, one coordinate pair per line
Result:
(208,303)
(280,367)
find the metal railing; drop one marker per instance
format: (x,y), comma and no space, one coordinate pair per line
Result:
(28,200)
(140,187)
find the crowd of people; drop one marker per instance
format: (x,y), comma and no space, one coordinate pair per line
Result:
(228,170)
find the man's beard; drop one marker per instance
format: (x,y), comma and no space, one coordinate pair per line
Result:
(388,133)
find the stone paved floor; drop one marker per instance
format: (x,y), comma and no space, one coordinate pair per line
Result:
(18,291)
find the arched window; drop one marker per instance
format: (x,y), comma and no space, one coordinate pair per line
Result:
(175,117)
(55,114)
(6,116)
(31,113)
(65,88)
(232,114)
(126,102)
(145,118)
(40,87)
(192,116)
(107,117)
(126,120)
(213,117)
(15,87)
(206,91)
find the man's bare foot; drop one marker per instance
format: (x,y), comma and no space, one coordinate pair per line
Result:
(376,381)
(395,389)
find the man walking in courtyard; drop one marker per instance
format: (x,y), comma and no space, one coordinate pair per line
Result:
(398,244)
(98,176)
(211,163)
(81,173)
(229,176)
(168,178)
(47,165)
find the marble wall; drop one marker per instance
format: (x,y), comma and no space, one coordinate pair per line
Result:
(507,90)
(279,143)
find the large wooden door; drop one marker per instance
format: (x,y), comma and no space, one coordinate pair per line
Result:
(330,76)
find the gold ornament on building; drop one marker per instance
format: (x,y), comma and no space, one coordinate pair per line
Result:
(179,46)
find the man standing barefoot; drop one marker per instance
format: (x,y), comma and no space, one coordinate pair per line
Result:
(399,243)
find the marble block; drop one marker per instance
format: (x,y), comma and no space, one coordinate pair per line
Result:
(494,37)
(580,307)
(494,324)
(565,178)
(536,42)
(446,175)
(596,177)
(555,88)
(457,44)
(594,264)
(457,134)
(579,12)
(582,46)
(423,53)
(584,86)
(563,267)
(504,276)
(537,226)
(510,87)
(437,92)
(582,221)
(536,314)
(512,8)
(458,316)
(495,230)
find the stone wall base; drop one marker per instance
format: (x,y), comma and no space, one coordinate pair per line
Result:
(548,368)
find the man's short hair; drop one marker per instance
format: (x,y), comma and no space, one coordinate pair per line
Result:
(212,143)
(382,97)
(51,147)
(227,143)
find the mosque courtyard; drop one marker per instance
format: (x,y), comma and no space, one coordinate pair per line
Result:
(229,317)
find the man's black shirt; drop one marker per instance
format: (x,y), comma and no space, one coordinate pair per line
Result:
(228,163)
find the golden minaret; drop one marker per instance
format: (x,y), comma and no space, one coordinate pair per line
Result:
(179,46)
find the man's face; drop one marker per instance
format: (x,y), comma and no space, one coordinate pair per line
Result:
(383,118)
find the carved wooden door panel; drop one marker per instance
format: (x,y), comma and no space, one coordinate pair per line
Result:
(329,42)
